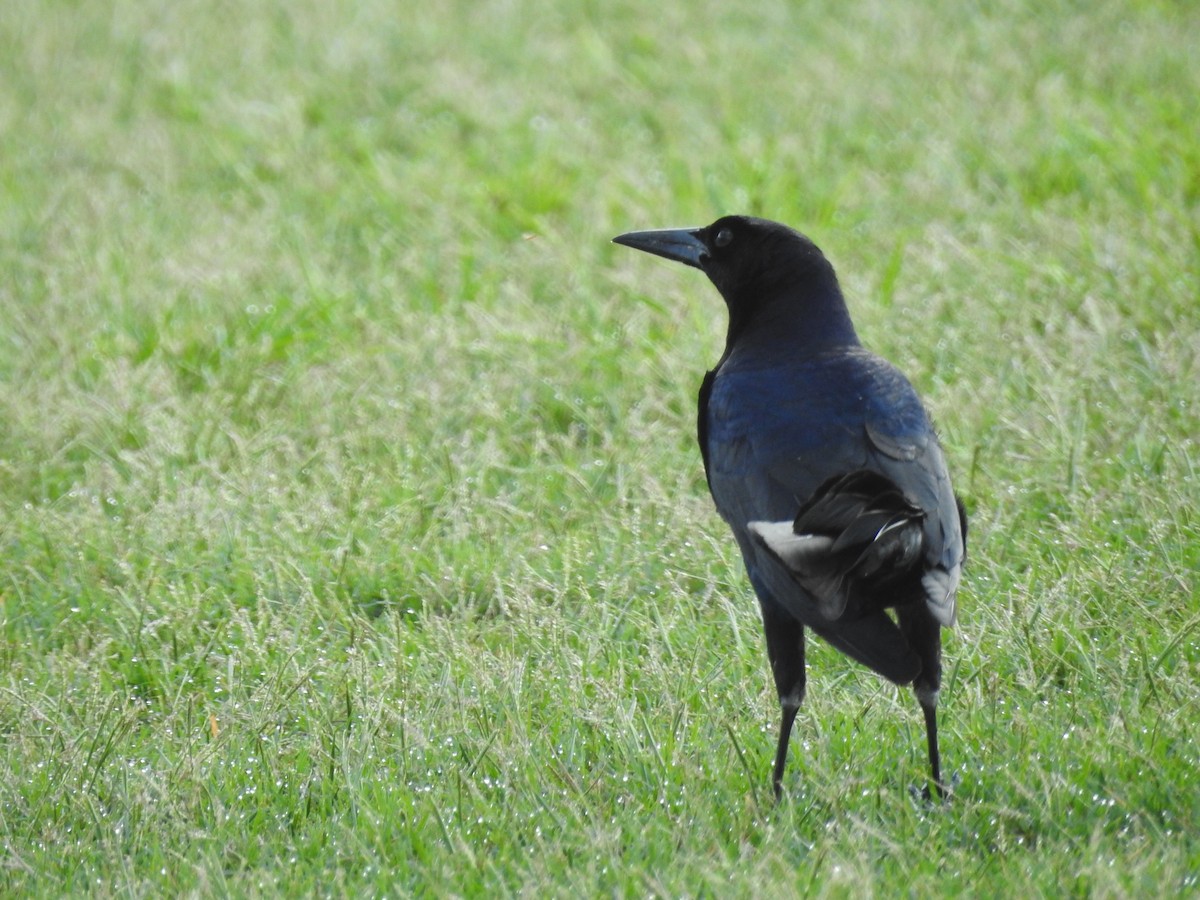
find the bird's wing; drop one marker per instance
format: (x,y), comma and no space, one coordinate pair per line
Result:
(907,452)
(772,441)
(851,544)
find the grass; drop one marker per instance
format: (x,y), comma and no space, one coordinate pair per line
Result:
(354,537)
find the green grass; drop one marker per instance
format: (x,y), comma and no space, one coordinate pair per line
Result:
(354,539)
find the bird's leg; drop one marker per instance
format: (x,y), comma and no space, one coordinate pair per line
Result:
(928,700)
(785,650)
(924,635)
(789,707)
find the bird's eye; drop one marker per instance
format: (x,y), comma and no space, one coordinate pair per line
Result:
(724,238)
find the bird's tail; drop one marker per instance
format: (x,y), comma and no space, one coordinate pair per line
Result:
(876,642)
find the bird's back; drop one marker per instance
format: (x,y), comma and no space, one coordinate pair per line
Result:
(775,429)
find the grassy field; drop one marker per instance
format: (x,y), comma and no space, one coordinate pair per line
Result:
(353,536)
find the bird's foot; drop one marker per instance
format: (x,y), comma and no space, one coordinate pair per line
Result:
(934,794)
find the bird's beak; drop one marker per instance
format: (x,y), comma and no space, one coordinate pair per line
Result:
(680,244)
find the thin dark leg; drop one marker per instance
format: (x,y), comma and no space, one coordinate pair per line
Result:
(924,636)
(785,733)
(929,707)
(785,649)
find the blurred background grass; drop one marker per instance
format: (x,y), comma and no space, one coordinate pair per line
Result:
(354,535)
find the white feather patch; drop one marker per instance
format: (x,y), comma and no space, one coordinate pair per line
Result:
(940,587)
(794,550)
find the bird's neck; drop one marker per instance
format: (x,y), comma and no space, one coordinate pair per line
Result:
(790,326)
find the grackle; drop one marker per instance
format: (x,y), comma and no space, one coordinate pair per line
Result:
(823,461)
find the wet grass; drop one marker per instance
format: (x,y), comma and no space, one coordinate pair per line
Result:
(354,536)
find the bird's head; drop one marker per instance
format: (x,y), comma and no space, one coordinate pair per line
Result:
(748,259)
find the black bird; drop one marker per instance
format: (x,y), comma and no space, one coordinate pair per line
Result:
(823,461)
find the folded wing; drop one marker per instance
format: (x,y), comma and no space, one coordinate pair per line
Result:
(853,538)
